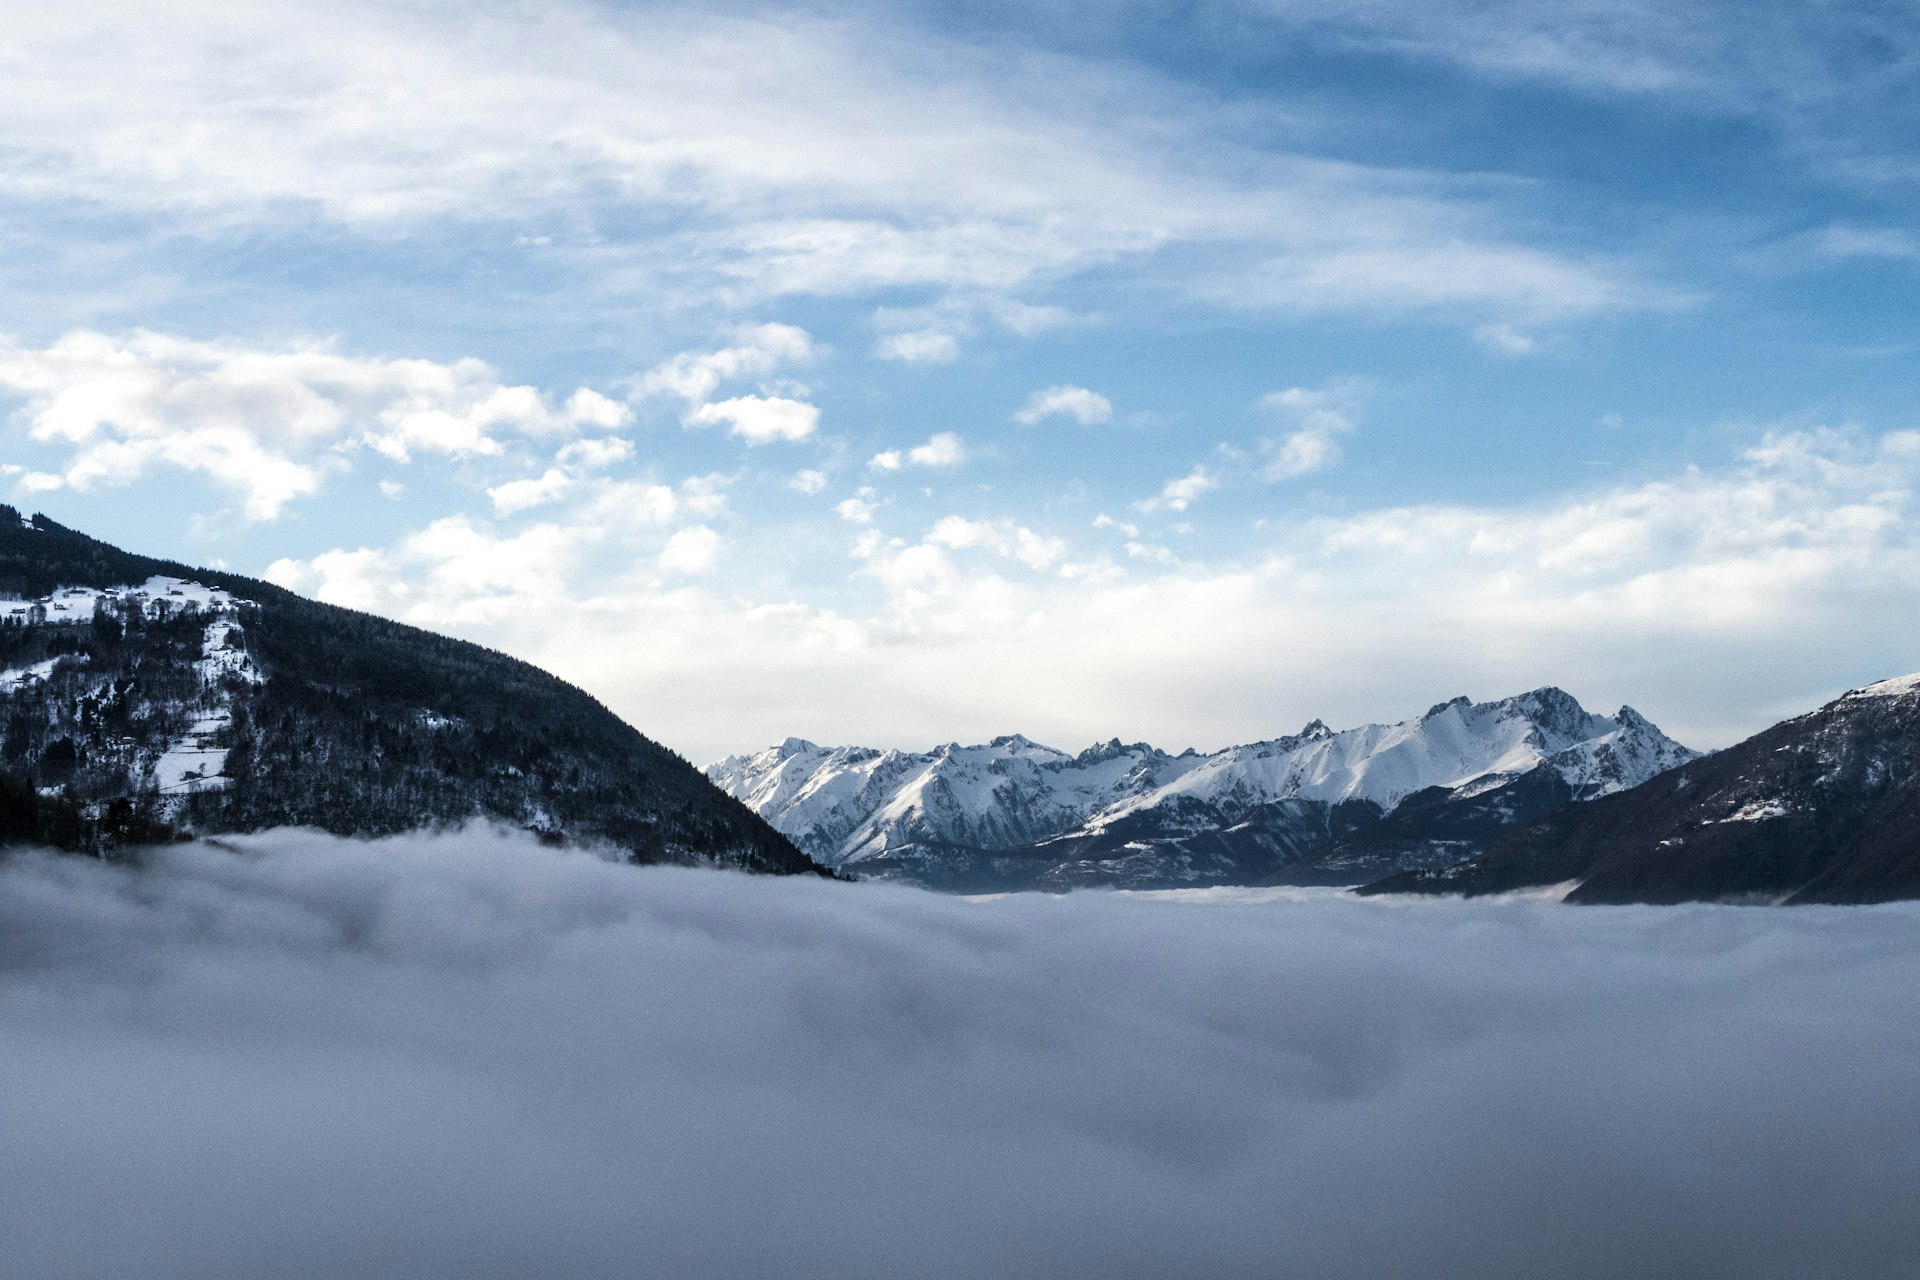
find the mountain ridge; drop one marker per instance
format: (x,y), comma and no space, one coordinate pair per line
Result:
(1823,807)
(317,715)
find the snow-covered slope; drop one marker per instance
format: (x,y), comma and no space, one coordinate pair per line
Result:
(141,700)
(851,805)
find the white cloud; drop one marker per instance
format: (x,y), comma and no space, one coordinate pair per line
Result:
(760,419)
(691,551)
(757,350)
(1178,495)
(694,376)
(266,423)
(588,408)
(858,509)
(808,482)
(575,462)
(1323,416)
(943,449)
(704,496)
(1083,406)
(1151,551)
(521,495)
(1004,537)
(596,454)
(922,346)
(392,490)
(459,573)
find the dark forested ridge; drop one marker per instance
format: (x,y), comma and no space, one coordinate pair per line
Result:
(228,704)
(1821,808)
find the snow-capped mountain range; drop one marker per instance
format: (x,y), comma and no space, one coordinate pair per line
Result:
(1013,811)
(1824,807)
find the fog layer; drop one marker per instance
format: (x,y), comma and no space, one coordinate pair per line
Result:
(470,1056)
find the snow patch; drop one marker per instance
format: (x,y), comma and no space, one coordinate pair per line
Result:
(157,597)
(20,678)
(194,762)
(1756,811)
(1898,687)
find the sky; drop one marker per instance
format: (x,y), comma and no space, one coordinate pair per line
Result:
(906,373)
(467,1055)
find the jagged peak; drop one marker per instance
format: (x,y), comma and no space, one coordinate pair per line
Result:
(1462,701)
(795,746)
(1315,730)
(1549,695)
(1113,748)
(1014,740)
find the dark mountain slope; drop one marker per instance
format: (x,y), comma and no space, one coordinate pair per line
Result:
(168,708)
(1821,808)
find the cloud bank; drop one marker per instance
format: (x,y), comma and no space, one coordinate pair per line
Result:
(467,1056)
(1717,601)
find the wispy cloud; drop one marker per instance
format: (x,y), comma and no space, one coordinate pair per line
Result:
(840,162)
(919,346)
(1321,417)
(1181,493)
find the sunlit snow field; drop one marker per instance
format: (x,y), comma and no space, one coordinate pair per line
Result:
(471,1056)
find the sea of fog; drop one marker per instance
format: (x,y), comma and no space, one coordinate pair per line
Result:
(470,1056)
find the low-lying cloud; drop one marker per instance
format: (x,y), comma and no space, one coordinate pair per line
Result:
(469,1056)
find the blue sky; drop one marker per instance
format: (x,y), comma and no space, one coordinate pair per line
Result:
(903,373)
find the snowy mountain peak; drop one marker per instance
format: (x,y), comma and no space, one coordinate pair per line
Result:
(851,804)
(1555,710)
(1113,749)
